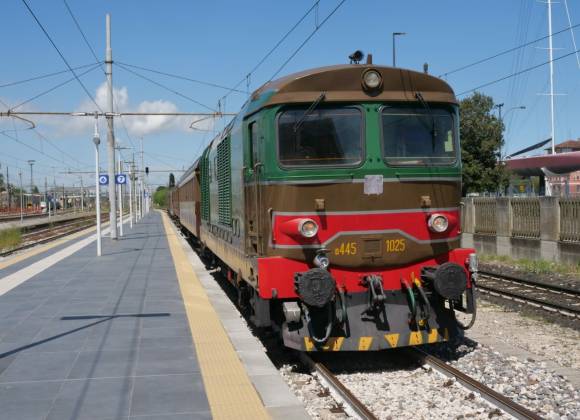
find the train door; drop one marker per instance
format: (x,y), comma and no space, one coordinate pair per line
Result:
(252,170)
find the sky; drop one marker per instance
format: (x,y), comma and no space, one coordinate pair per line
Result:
(221,42)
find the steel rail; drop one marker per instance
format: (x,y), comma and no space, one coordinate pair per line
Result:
(526,298)
(355,405)
(488,394)
(541,284)
(49,239)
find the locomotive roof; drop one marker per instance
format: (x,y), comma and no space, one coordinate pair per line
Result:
(343,83)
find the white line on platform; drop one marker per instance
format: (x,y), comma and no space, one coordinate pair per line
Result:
(15,279)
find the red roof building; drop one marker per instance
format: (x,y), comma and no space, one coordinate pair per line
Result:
(569,184)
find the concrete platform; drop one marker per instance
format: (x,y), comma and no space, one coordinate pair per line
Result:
(32,221)
(120,337)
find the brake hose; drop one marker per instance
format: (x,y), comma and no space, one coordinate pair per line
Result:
(328,327)
(473,314)
(411,299)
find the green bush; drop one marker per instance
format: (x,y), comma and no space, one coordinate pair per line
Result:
(10,238)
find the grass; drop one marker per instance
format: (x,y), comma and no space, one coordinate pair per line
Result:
(535,266)
(10,238)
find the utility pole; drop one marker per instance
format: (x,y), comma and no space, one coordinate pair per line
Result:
(111,133)
(131,195)
(46,203)
(31,163)
(82,195)
(21,197)
(8,189)
(499,107)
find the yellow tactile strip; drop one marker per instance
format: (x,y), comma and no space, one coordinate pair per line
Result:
(230,392)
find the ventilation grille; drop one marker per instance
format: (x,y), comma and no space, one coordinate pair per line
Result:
(204,187)
(224,175)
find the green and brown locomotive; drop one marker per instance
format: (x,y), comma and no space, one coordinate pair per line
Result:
(331,202)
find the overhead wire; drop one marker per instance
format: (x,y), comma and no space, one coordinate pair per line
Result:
(307,39)
(44,76)
(60,54)
(42,136)
(501,79)
(91,49)
(176,76)
(483,60)
(571,31)
(46,92)
(275,47)
(165,87)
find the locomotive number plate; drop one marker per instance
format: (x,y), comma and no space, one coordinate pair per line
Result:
(346,248)
(395,245)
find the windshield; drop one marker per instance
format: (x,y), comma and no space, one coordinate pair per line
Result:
(327,136)
(417,136)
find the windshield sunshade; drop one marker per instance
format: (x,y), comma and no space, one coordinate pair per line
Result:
(418,136)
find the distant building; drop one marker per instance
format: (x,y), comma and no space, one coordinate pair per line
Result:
(566,185)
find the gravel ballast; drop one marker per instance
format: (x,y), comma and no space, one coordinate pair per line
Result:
(392,388)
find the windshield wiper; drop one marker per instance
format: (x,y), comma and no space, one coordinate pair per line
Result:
(420,98)
(308,111)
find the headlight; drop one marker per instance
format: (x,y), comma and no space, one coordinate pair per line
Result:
(372,79)
(308,228)
(438,223)
(321,260)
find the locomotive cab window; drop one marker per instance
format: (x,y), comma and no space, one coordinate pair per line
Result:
(327,136)
(419,136)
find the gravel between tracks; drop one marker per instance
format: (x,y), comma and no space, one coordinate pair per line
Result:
(394,389)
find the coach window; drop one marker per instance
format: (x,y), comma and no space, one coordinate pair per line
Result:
(419,136)
(320,137)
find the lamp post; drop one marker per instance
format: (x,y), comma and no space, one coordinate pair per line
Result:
(502,118)
(97,141)
(394,46)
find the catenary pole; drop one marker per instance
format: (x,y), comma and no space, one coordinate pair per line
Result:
(131,196)
(120,167)
(142,183)
(96,142)
(82,195)
(21,197)
(110,134)
(8,189)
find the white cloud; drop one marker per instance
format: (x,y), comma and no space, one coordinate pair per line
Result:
(136,125)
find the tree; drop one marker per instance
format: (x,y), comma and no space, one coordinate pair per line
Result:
(481,141)
(160,196)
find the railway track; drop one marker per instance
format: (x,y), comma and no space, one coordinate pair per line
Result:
(553,297)
(488,394)
(45,233)
(352,406)
(32,215)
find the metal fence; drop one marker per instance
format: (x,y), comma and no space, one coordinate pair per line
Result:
(525,213)
(485,215)
(570,219)
(524,217)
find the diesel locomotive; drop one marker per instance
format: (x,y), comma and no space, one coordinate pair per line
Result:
(332,203)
